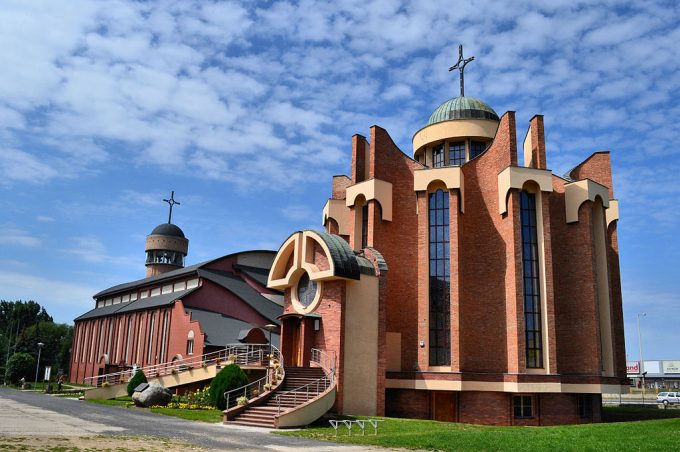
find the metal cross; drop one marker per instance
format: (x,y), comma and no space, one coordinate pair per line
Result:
(460,65)
(172,202)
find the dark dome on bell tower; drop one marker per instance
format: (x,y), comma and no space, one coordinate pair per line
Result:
(166,246)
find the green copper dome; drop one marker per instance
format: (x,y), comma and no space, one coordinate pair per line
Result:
(462,108)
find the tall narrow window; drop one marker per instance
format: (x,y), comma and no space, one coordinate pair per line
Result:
(476,148)
(149,355)
(438,156)
(190,342)
(457,153)
(129,338)
(364,225)
(440,330)
(530,270)
(164,336)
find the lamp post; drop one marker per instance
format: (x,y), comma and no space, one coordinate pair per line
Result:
(270,327)
(642,359)
(40,346)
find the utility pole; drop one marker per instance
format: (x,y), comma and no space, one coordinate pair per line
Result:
(642,359)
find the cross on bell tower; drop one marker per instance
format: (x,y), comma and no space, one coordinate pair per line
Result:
(460,65)
(172,202)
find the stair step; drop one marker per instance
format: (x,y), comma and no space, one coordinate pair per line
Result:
(255,417)
(254,424)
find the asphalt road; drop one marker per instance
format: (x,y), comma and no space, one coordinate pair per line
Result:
(24,413)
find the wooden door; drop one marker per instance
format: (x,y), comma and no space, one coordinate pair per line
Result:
(443,406)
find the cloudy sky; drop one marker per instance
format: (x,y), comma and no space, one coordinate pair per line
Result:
(247,109)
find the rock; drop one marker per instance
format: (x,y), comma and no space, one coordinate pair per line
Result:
(155,394)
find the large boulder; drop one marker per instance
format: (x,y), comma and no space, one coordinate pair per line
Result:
(155,394)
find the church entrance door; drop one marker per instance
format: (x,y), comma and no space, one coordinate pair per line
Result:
(295,352)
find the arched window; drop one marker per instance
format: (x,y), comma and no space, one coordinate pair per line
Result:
(530,270)
(190,342)
(440,277)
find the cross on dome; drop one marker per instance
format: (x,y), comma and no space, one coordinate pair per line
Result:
(460,65)
(172,202)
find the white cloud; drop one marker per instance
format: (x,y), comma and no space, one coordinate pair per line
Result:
(15,236)
(91,249)
(46,291)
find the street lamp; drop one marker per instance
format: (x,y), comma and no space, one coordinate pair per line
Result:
(270,327)
(642,359)
(40,346)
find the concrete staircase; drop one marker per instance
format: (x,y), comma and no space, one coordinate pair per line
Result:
(300,385)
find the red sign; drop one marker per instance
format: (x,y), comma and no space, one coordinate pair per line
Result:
(633,367)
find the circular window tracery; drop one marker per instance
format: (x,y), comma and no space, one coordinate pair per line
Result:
(306,290)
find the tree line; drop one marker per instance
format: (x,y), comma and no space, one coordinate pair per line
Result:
(24,324)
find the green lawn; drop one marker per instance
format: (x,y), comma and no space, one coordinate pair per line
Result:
(660,434)
(191,415)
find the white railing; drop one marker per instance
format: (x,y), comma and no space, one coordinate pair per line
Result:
(257,388)
(241,354)
(324,360)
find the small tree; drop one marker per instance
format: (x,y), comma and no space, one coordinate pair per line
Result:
(230,377)
(135,381)
(20,365)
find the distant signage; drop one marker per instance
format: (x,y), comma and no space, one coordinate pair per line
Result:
(671,367)
(653,367)
(633,367)
(48,371)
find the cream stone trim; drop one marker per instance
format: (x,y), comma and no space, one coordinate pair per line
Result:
(612,213)
(576,193)
(450,176)
(459,128)
(500,386)
(377,189)
(516,177)
(278,277)
(301,246)
(337,210)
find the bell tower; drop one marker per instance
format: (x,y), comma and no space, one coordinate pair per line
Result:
(166,246)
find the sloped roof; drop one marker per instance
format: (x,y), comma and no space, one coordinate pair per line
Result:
(258,274)
(220,329)
(137,305)
(241,289)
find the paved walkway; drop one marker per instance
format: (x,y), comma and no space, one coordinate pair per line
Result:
(29,414)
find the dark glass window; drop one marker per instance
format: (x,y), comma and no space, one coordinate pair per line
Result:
(523,406)
(530,271)
(457,153)
(306,290)
(190,347)
(438,156)
(584,405)
(476,148)
(440,273)
(364,226)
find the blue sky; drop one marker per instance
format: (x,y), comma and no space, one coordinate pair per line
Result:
(246,110)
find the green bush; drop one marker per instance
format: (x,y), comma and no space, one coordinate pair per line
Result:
(135,381)
(20,365)
(230,377)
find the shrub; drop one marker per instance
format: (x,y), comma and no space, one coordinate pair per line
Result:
(243,400)
(20,365)
(230,377)
(135,381)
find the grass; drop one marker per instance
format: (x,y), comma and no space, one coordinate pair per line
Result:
(211,416)
(659,434)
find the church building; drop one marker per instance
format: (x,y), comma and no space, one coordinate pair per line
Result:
(176,312)
(459,283)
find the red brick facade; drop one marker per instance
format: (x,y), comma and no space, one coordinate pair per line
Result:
(487,286)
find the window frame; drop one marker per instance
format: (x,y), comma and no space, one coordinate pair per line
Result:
(523,406)
(459,148)
(439,279)
(438,158)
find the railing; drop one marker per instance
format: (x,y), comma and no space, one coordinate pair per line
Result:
(258,387)
(241,354)
(316,387)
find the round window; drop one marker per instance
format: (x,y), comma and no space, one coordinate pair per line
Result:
(306,290)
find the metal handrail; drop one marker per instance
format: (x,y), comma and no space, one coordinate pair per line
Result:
(242,354)
(248,390)
(327,363)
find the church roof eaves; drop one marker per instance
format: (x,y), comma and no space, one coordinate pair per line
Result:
(137,305)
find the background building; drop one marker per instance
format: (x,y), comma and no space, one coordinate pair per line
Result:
(659,373)
(177,311)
